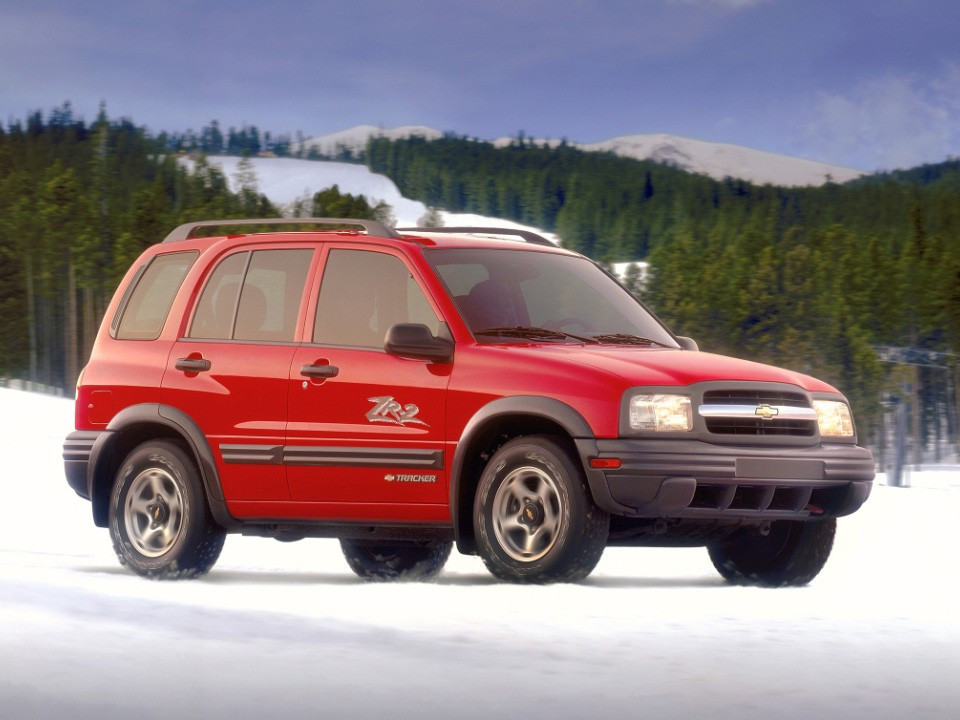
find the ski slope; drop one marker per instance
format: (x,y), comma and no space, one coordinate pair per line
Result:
(286,630)
(286,180)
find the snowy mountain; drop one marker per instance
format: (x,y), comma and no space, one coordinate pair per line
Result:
(716,160)
(355,138)
(720,160)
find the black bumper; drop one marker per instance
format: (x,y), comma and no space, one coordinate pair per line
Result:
(77,449)
(694,479)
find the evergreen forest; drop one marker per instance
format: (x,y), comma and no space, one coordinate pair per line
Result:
(845,282)
(78,204)
(821,280)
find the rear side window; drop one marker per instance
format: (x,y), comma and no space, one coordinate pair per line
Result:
(253,296)
(144,309)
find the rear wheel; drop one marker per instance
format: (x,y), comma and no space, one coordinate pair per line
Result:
(159,521)
(534,518)
(791,553)
(399,561)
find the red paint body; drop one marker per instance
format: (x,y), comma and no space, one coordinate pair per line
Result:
(254,397)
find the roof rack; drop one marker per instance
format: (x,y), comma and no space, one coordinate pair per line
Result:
(530,237)
(185,231)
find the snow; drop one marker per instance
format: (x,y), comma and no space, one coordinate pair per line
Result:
(355,138)
(721,160)
(716,160)
(286,629)
(285,180)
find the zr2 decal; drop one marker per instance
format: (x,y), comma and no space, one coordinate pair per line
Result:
(387,410)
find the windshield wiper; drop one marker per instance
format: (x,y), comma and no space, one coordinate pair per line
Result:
(533,333)
(626,339)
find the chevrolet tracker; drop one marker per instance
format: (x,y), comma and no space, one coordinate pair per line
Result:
(406,390)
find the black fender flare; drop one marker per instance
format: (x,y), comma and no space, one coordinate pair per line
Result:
(183,426)
(556,411)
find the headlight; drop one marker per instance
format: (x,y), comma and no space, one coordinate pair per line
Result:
(834,418)
(661,413)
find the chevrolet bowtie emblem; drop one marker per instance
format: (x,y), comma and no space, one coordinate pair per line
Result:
(767,412)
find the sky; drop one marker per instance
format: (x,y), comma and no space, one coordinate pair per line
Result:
(869,84)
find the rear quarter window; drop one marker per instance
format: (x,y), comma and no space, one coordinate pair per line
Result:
(147,303)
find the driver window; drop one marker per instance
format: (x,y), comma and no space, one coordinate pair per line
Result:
(364,293)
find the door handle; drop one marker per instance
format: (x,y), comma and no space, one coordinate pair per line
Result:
(194,365)
(320,371)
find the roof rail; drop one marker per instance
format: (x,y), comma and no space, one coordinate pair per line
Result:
(378,229)
(530,237)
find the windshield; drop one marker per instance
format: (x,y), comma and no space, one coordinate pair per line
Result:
(508,294)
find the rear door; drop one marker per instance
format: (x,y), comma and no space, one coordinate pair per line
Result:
(229,372)
(366,429)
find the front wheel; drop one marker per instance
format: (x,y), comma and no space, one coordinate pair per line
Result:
(534,518)
(159,521)
(400,561)
(792,553)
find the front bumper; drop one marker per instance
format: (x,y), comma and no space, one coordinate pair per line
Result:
(698,480)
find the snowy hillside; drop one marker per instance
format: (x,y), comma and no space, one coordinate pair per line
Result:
(285,180)
(355,138)
(281,629)
(717,160)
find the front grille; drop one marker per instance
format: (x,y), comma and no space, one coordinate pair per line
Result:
(765,428)
(758,426)
(754,397)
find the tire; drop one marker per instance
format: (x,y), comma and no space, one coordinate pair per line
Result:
(400,561)
(159,521)
(791,554)
(534,519)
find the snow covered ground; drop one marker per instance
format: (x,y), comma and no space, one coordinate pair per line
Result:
(287,630)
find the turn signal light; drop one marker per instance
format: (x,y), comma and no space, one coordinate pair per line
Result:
(605,463)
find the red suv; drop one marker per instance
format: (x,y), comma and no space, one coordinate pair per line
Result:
(405,390)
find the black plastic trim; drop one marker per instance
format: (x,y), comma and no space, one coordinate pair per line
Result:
(332,456)
(550,409)
(362,457)
(291,530)
(252,454)
(670,478)
(77,449)
(181,424)
(372,227)
(415,340)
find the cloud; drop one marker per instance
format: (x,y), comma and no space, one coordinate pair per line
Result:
(894,121)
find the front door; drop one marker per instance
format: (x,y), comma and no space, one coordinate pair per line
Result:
(365,435)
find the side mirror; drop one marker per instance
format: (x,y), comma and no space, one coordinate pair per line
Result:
(687,343)
(413,340)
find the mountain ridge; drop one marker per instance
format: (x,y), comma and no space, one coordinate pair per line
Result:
(716,160)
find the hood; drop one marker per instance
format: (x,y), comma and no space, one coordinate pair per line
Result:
(665,367)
